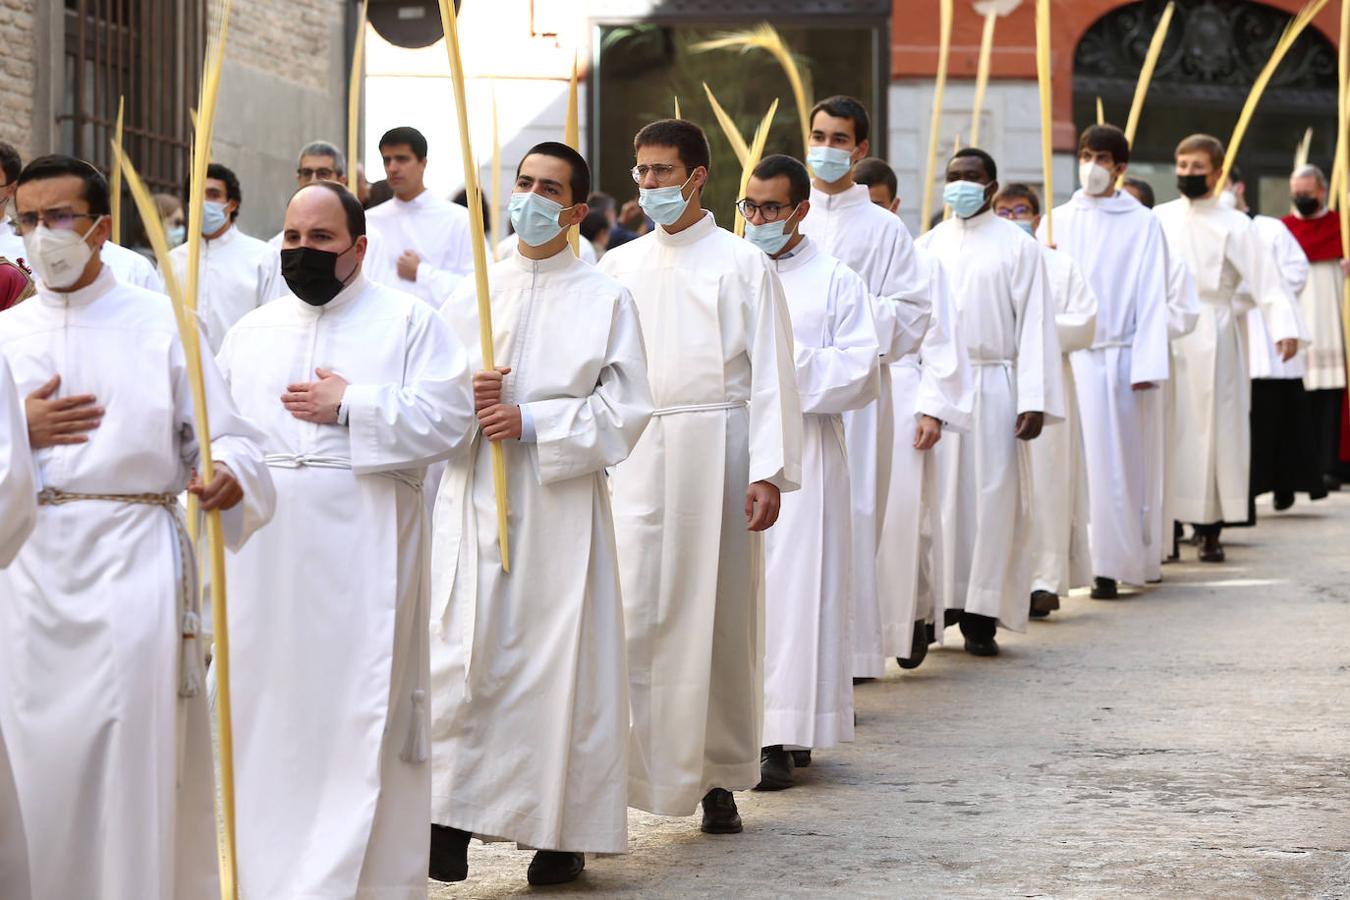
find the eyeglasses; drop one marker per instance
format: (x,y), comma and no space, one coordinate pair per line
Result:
(660,171)
(771,212)
(321,174)
(54,219)
(1021,211)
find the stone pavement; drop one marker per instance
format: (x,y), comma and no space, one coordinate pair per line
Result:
(1189,741)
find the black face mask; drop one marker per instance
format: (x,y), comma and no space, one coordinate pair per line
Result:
(1193,186)
(1306,205)
(312,274)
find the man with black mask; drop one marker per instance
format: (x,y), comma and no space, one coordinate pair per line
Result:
(1210,455)
(357,387)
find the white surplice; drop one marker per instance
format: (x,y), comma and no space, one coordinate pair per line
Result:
(1121,251)
(1210,453)
(328,614)
(808,684)
(933,381)
(507,246)
(1007,320)
(529,693)
(113,766)
(18,513)
(130,267)
(238,273)
(436,230)
(1059,480)
(875,244)
(1262,358)
(720,361)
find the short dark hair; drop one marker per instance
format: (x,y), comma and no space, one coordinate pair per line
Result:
(1145,191)
(842,106)
(1106,138)
(1019,191)
(461,198)
(595,222)
(406,135)
(232,191)
(990,167)
(356,216)
(580,182)
(57,165)
(687,138)
(599,201)
(874,170)
(778,165)
(10,162)
(1235,175)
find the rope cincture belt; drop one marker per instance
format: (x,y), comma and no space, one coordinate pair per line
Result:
(317,461)
(191,669)
(698,407)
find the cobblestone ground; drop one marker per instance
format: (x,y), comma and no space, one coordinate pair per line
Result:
(1190,741)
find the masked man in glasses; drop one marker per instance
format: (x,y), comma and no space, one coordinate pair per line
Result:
(724,442)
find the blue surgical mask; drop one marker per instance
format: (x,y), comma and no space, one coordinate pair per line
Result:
(829,163)
(1025,225)
(964,197)
(770,237)
(535,218)
(176,235)
(665,205)
(213,217)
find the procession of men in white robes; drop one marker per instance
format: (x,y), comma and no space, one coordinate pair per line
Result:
(740,473)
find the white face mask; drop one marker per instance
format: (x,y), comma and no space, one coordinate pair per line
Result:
(58,257)
(1095,179)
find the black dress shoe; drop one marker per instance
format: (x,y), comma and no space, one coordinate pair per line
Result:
(555,867)
(1331,483)
(801,759)
(449,854)
(719,813)
(1105,589)
(775,769)
(1283,501)
(857,680)
(1043,603)
(951,617)
(1211,550)
(931,630)
(918,647)
(986,647)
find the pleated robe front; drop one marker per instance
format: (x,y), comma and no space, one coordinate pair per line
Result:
(808,684)
(1006,317)
(529,683)
(113,765)
(720,363)
(329,602)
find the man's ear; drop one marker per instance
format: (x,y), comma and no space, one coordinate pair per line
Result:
(362,244)
(577,213)
(863,149)
(100,233)
(895,205)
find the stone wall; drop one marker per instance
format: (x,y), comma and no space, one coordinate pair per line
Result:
(18,74)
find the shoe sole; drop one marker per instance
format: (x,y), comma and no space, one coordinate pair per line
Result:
(722,829)
(773,785)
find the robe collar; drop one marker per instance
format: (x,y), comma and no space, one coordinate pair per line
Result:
(561,261)
(344,297)
(804,253)
(854,196)
(421,201)
(1119,202)
(691,235)
(1203,205)
(102,284)
(979,220)
(224,240)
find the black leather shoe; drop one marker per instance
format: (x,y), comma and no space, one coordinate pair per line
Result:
(719,813)
(918,647)
(1043,603)
(1211,550)
(775,769)
(951,617)
(931,630)
(555,867)
(987,647)
(1331,483)
(449,854)
(1105,589)
(801,759)
(1283,501)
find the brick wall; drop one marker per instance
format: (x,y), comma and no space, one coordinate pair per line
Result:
(18,77)
(290,39)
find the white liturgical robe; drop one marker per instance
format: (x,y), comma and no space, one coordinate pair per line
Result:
(1121,251)
(436,230)
(1263,359)
(1059,481)
(529,694)
(329,602)
(18,512)
(933,381)
(720,361)
(1210,451)
(875,244)
(1006,313)
(129,267)
(102,701)
(238,273)
(808,683)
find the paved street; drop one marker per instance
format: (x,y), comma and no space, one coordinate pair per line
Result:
(1193,741)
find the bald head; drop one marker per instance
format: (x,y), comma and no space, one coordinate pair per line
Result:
(325,216)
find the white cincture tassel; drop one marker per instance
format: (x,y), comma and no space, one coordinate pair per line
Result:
(191,673)
(417,747)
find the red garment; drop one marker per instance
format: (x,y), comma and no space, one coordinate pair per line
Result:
(15,285)
(1320,238)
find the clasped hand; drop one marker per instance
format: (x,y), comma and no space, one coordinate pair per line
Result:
(499,421)
(316,401)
